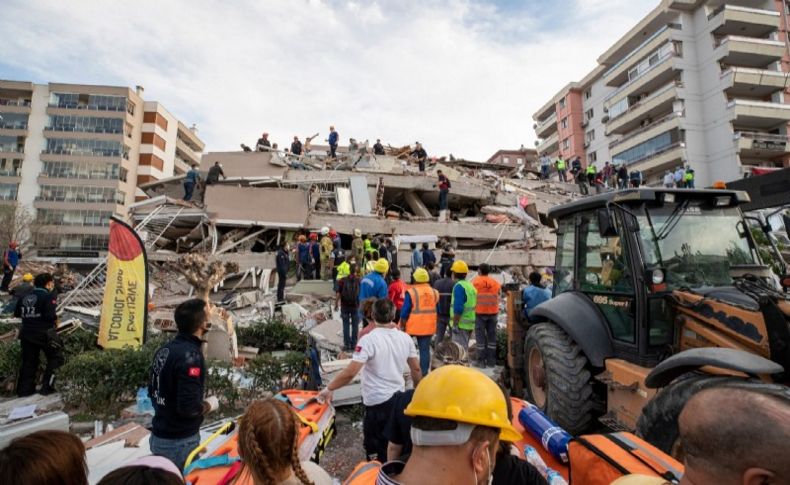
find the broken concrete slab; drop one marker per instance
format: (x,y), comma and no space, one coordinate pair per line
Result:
(416,205)
(328,335)
(242,164)
(257,206)
(293,313)
(319,288)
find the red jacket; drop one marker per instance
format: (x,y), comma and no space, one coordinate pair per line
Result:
(396,293)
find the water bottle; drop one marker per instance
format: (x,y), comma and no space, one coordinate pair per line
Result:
(553,438)
(143,401)
(554,478)
(533,458)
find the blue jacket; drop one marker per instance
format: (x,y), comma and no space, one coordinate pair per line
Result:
(416,259)
(303,250)
(192,176)
(13,257)
(534,296)
(372,286)
(315,250)
(333,137)
(428,257)
(282,261)
(460,299)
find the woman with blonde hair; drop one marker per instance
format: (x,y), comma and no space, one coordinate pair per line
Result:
(269,448)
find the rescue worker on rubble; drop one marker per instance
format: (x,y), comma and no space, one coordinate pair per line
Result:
(315,257)
(396,292)
(358,248)
(338,259)
(191,181)
(486,311)
(263,144)
(420,155)
(378,148)
(326,254)
(333,139)
(303,270)
(459,415)
(176,385)
(444,286)
(418,315)
(214,173)
(373,284)
(37,334)
(561,168)
(282,262)
(462,304)
(296,146)
(382,355)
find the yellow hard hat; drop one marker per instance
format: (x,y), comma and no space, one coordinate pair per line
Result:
(464,395)
(459,267)
(381,266)
(421,275)
(27,277)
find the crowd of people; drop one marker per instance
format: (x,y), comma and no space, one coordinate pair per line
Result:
(610,176)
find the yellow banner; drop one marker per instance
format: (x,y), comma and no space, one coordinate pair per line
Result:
(125,304)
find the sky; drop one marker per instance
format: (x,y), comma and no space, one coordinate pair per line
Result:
(460,76)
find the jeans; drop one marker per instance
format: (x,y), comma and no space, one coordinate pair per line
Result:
(374,426)
(350,317)
(561,175)
(189,189)
(441,327)
(176,450)
(485,337)
(544,171)
(424,346)
(443,199)
(333,150)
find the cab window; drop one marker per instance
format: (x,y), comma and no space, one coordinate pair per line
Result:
(563,272)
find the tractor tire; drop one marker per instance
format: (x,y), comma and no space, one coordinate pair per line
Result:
(557,377)
(658,423)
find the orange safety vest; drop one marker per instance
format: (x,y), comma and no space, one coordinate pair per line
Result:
(487,295)
(365,473)
(422,319)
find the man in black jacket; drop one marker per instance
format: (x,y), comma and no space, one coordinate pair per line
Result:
(378,148)
(420,155)
(283,263)
(37,334)
(178,376)
(296,146)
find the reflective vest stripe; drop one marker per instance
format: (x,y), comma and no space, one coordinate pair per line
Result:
(422,318)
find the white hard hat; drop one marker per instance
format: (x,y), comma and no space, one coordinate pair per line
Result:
(324,231)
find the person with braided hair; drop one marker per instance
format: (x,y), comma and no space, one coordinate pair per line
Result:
(269,448)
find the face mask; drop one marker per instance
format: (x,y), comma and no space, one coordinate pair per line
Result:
(490,470)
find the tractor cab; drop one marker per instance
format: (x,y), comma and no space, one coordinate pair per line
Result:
(626,251)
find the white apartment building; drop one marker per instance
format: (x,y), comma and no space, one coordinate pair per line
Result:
(695,82)
(74,155)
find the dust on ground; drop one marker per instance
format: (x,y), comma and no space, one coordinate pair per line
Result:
(345,450)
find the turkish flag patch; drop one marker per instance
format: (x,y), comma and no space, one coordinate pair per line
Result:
(358,349)
(194,372)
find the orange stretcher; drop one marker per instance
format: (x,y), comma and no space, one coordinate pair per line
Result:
(317,430)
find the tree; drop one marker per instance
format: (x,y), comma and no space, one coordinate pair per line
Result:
(17,223)
(203,274)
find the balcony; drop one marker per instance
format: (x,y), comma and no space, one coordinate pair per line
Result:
(550,144)
(653,106)
(752,83)
(183,150)
(735,50)
(618,74)
(656,76)
(758,114)
(12,149)
(14,105)
(546,127)
(750,22)
(761,145)
(634,138)
(656,163)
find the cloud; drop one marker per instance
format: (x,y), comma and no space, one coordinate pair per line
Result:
(461,76)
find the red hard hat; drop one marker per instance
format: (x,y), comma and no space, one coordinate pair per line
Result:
(313,235)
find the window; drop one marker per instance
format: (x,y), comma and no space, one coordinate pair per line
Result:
(85,124)
(8,191)
(618,108)
(564,123)
(14,121)
(505,160)
(603,269)
(566,144)
(646,149)
(71,146)
(97,102)
(592,157)
(9,167)
(589,136)
(78,193)
(12,144)
(588,94)
(589,114)
(562,102)
(83,170)
(566,244)
(519,161)
(60,217)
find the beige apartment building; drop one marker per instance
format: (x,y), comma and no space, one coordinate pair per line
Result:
(695,82)
(74,155)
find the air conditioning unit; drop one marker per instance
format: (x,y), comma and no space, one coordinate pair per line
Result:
(605,109)
(586,144)
(585,123)
(605,119)
(534,126)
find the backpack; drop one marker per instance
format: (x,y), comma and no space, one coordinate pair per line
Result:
(602,458)
(350,292)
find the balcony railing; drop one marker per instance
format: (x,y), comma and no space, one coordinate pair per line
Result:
(14,172)
(738,8)
(643,129)
(95,153)
(93,200)
(654,154)
(643,74)
(764,141)
(643,101)
(13,125)
(639,47)
(12,149)
(14,102)
(73,129)
(96,107)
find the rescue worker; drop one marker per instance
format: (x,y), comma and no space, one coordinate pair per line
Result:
(534,294)
(177,383)
(191,181)
(459,416)
(358,248)
(373,284)
(561,168)
(367,244)
(303,269)
(486,311)
(341,267)
(282,262)
(378,148)
(315,257)
(396,292)
(11,259)
(591,173)
(214,173)
(420,155)
(462,304)
(327,263)
(23,288)
(688,178)
(418,315)
(382,355)
(444,286)
(416,257)
(38,334)
(296,146)
(347,302)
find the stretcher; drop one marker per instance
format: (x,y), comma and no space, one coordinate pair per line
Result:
(316,431)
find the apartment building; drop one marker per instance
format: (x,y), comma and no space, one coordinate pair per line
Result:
(695,82)
(523,157)
(74,155)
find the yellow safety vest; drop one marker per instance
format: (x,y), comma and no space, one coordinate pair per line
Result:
(467,321)
(560,164)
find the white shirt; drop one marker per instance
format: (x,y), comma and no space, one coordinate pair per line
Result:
(383,352)
(669,179)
